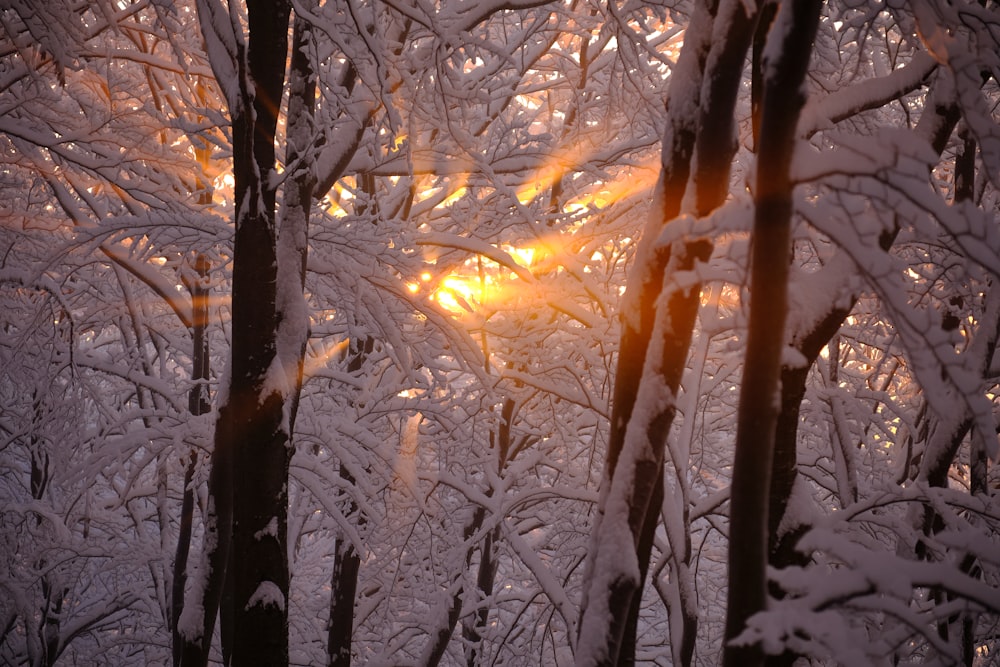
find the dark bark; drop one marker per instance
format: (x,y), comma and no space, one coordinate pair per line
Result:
(248,480)
(298,193)
(647,497)
(758,411)
(346,560)
(644,548)
(936,124)
(344,585)
(218,529)
(254,414)
(485,579)
(716,142)
(503,444)
(767,14)
(441,637)
(710,134)
(961,626)
(53,594)
(198,404)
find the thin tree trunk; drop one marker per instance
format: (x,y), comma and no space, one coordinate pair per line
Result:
(346,560)
(485,579)
(198,404)
(502,443)
(440,638)
(961,626)
(657,329)
(343,589)
(53,593)
(936,124)
(758,411)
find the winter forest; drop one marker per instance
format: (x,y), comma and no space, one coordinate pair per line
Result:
(499,333)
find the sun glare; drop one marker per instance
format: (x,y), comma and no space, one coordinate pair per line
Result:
(320,355)
(454,196)
(458,294)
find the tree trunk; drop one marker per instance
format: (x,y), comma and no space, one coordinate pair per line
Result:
(198,404)
(936,125)
(343,589)
(657,329)
(782,101)
(248,481)
(255,417)
(346,560)
(502,444)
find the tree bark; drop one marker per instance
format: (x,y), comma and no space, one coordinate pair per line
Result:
(936,124)
(657,327)
(346,560)
(758,412)
(198,404)
(343,590)
(248,480)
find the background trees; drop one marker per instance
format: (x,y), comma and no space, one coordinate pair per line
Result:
(412,255)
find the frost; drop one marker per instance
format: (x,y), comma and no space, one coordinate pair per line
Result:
(267,593)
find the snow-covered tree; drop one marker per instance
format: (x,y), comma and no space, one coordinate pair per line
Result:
(317,335)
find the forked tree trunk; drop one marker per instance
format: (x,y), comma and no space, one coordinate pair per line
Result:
(936,124)
(248,480)
(657,330)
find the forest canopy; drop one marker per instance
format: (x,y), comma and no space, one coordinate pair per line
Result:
(499,333)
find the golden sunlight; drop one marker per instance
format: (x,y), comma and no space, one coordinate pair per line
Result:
(454,196)
(319,355)
(458,294)
(635,181)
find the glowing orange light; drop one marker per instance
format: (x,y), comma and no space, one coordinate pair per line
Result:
(321,357)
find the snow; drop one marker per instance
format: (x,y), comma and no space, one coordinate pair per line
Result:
(191,623)
(271,529)
(792,358)
(276,380)
(222,44)
(419,447)
(823,112)
(267,593)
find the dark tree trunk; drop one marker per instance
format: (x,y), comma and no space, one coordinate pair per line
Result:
(53,594)
(254,413)
(704,126)
(346,560)
(485,579)
(198,404)
(502,443)
(936,124)
(440,638)
(248,480)
(758,411)
(344,586)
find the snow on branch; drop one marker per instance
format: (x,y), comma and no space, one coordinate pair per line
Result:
(267,594)
(478,247)
(224,46)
